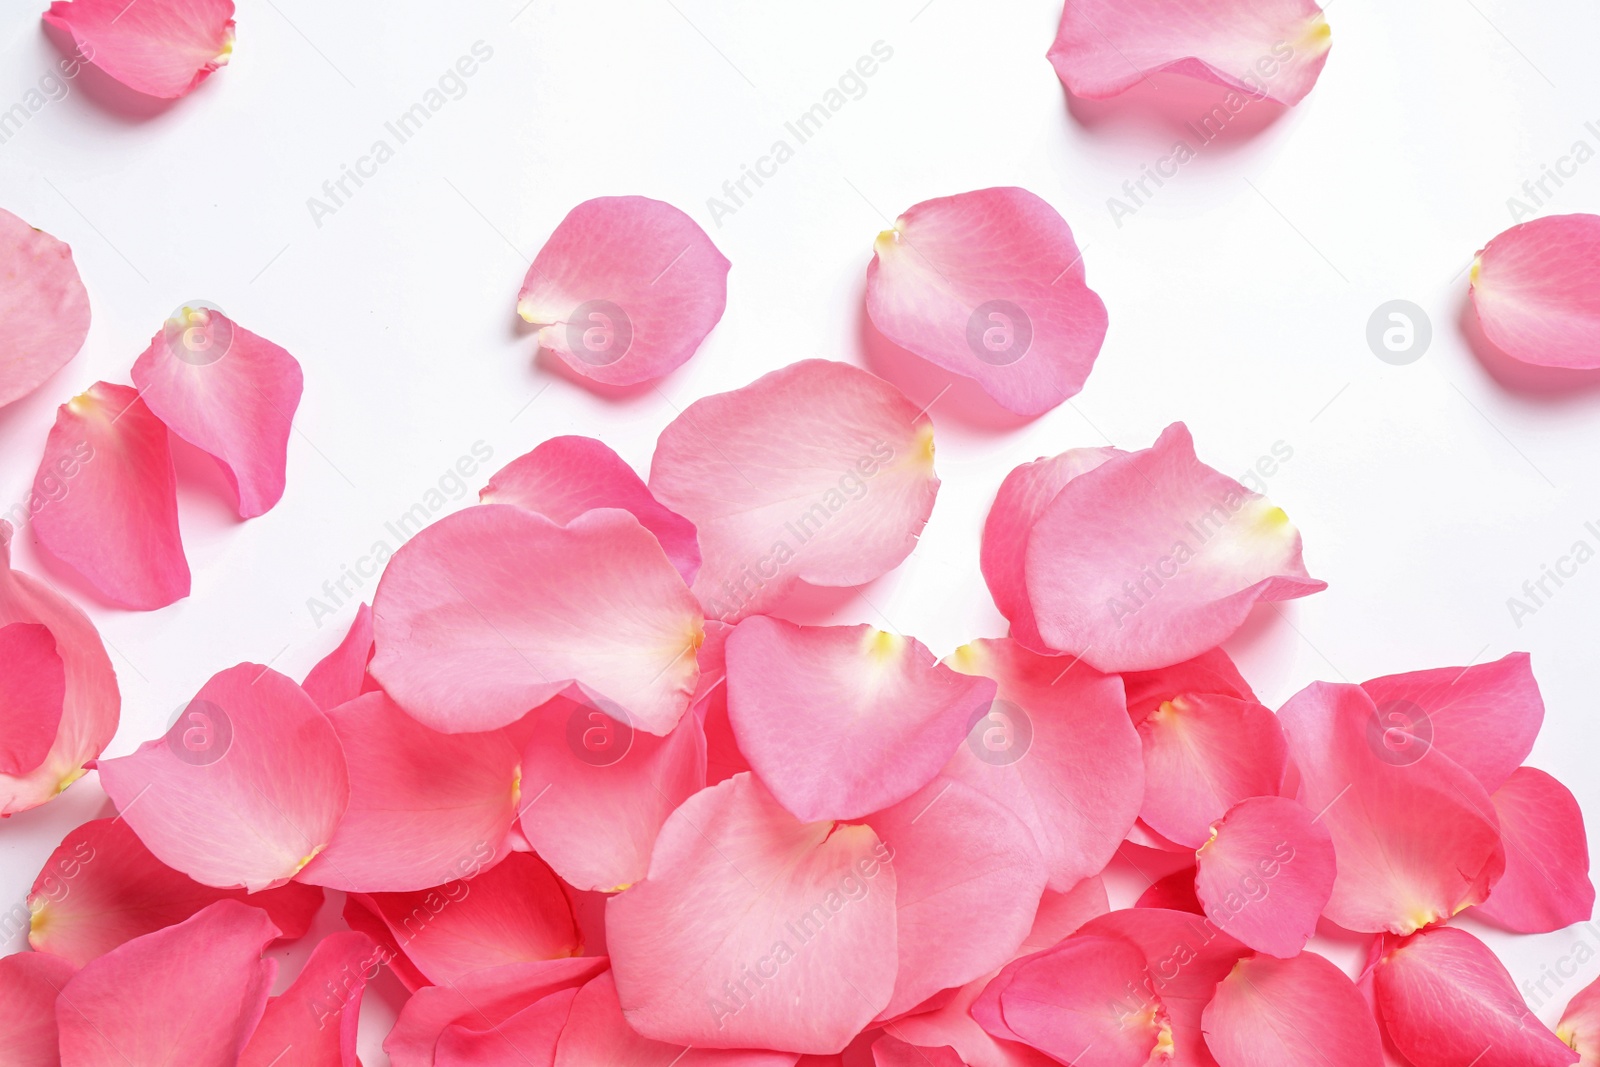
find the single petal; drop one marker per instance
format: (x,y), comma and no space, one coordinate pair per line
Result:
(567,476)
(1174,892)
(842,721)
(33,692)
(102,887)
(525,1039)
(117,525)
(1057,749)
(890,1051)
(1271,50)
(494,610)
(1536,294)
(818,473)
(625,289)
(990,285)
(29,984)
(598,791)
(189,994)
(597,1035)
(424,808)
(1546,885)
(756,930)
(1580,1025)
(341,675)
(1208,674)
(162,48)
(229,393)
(1447,1000)
(317,1016)
(1416,841)
(1152,558)
(44,308)
(1299,1012)
(1266,874)
(1202,755)
(245,788)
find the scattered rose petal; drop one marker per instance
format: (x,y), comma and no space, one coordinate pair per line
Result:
(1546,885)
(317,1016)
(597,1035)
(29,984)
(44,308)
(33,692)
(1208,674)
(1536,294)
(1266,875)
(527,1037)
(952,1024)
(1299,1012)
(162,48)
(341,675)
(1580,1025)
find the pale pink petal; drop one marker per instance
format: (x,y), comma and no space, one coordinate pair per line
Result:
(425,807)
(101,887)
(162,48)
(596,792)
(229,393)
(1061,914)
(567,476)
(44,309)
(90,703)
(1175,892)
(755,930)
(1299,1012)
(1546,885)
(842,721)
(1484,716)
(1208,674)
(33,692)
(1447,1000)
(1416,841)
(29,983)
(189,994)
(1267,874)
(117,523)
(625,289)
(818,473)
(597,1035)
(1268,49)
(360,916)
(494,610)
(1536,294)
(990,285)
(890,1051)
(1152,558)
(1202,755)
(245,788)
(526,1039)
(313,1022)
(341,675)
(1022,497)
(1057,749)
(1580,1025)
(952,1024)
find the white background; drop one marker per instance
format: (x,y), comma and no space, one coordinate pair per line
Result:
(1238,297)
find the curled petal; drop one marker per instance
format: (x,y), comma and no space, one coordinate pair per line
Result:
(44,309)
(1267,874)
(1202,755)
(341,675)
(29,984)
(317,1015)
(1536,294)
(597,1035)
(33,692)
(1546,885)
(1299,1012)
(162,48)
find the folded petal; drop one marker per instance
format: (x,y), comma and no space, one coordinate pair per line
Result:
(33,692)
(245,788)
(1446,1000)
(1057,749)
(117,526)
(44,308)
(189,994)
(1546,885)
(1202,755)
(1580,1025)
(494,610)
(29,984)
(525,1039)
(1416,842)
(625,289)
(1152,558)
(162,48)
(341,675)
(1299,1012)
(1208,674)
(1263,50)
(818,473)
(567,476)
(1535,291)
(990,285)
(229,393)
(1267,874)
(317,1016)
(890,1051)
(756,930)
(842,721)
(597,1035)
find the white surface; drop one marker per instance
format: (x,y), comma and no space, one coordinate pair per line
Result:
(1238,296)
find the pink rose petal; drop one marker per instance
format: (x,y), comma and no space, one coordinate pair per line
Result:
(890,1051)
(44,309)
(162,48)
(1580,1025)
(597,1035)
(29,984)
(1210,673)
(1546,885)
(1536,294)
(341,675)
(952,1024)
(1267,874)
(1061,914)
(316,1018)
(1299,1012)
(1175,892)
(525,1039)
(33,692)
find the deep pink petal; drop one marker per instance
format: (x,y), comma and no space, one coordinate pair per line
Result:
(164,49)
(755,930)
(818,473)
(361,916)
(1208,674)
(1202,755)
(1267,874)
(1269,49)
(1536,294)
(44,309)
(1174,892)
(1152,558)
(313,1022)
(229,393)
(597,1035)
(566,476)
(1580,1025)
(1300,1012)
(117,523)
(245,788)
(341,675)
(890,1051)
(842,721)
(625,289)
(33,692)
(525,1039)
(990,285)
(1447,1000)
(1546,885)
(29,983)
(494,610)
